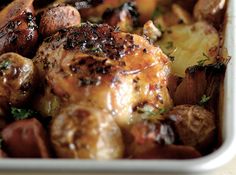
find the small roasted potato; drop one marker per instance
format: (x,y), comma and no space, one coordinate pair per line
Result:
(210,10)
(86,133)
(57,18)
(18,29)
(17,78)
(194,125)
(189,45)
(26,139)
(156,141)
(125,17)
(161,133)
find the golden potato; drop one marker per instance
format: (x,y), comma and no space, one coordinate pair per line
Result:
(17,78)
(189,45)
(86,133)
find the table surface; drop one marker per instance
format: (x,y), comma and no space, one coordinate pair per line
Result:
(229,169)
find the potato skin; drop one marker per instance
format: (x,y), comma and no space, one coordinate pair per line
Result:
(18,29)
(18,77)
(194,125)
(57,18)
(86,133)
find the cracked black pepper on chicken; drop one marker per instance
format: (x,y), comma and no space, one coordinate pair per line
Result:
(111,79)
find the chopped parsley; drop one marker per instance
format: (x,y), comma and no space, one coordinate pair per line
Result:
(158,12)
(159,27)
(205,55)
(5,64)
(151,111)
(169,45)
(203,61)
(204,100)
(20,114)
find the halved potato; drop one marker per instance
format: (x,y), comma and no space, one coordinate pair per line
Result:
(189,45)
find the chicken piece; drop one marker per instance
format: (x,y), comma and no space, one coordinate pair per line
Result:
(106,69)
(86,133)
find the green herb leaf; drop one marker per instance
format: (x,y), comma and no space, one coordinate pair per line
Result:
(204,100)
(159,27)
(20,114)
(205,55)
(162,111)
(202,62)
(158,12)
(5,64)
(150,112)
(169,45)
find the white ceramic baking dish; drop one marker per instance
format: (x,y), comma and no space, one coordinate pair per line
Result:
(204,164)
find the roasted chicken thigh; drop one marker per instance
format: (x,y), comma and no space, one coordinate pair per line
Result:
(100,68)
(97,66)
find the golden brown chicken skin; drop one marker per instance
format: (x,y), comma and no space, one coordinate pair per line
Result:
(100,67)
